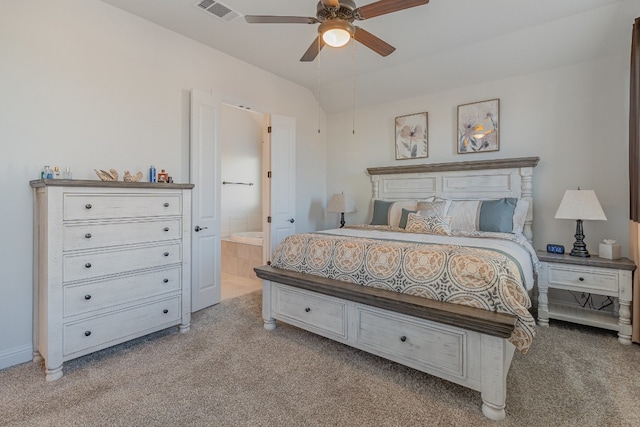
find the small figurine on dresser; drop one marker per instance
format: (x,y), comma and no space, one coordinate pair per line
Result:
(112,175)
(163,176)
(132,178)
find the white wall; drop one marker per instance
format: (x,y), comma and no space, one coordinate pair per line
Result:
(574,118)
(241,158)
(86,85)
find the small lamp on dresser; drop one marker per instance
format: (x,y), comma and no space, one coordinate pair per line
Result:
(341,203)
(580,205)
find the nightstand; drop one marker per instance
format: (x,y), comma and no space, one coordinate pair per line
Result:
(593,275)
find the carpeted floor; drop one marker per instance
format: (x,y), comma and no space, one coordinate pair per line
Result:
(229,371)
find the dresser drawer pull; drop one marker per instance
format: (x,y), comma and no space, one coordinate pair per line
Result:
(308,309)
(87,297)
(581,279)
(166,229)
(166,280)
(403,338)
(88,206)
(165,311)
(88,265)
(166,254)
(88,235)
(87,333)
(166,204)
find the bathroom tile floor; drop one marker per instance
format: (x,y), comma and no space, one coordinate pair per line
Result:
(234,286)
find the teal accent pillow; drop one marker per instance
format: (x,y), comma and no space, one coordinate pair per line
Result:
(404,217)
(380,212)
(497,215)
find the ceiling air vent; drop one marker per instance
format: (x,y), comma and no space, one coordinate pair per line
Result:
(218,9)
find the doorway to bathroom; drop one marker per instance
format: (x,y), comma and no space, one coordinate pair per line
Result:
(241,155)
(213,122)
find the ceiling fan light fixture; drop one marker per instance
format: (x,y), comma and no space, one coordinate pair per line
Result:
(336,32)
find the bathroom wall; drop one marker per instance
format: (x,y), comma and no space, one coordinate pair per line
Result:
(241,151)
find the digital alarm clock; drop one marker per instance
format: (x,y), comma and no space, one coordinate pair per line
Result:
(555,249)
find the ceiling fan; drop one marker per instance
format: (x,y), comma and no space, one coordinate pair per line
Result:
(336,23)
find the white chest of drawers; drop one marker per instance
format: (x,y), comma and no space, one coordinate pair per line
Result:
(111,263)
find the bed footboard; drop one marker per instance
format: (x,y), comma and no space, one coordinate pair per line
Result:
(465,345)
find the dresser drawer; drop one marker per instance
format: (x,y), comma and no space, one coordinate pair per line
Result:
(99,206)
(120,326)
(86,297)
(96,235)
(87,265)
(583,278)
(312,311)
(412,341)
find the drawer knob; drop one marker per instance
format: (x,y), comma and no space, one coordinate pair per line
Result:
(165,311)
(403,338)
(166,280)
(166,229)
(87,333)
(88,206)
(87,297)
(88,235)
(166,254)
(581,279)
(308,309)
(88,265)
(166,204)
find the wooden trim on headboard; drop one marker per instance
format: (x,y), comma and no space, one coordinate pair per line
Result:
(521,162)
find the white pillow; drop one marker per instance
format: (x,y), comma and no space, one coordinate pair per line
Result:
(520,215)
(465,214)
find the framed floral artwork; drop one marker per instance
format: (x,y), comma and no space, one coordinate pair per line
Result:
(478,127)
(412,136)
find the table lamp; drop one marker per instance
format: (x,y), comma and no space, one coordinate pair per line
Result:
(341,203)
(580,205)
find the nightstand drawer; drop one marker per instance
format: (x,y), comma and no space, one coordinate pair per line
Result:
(577,278)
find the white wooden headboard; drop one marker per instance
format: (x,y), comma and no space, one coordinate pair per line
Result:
(482,179)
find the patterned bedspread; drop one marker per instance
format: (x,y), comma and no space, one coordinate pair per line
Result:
(477,277)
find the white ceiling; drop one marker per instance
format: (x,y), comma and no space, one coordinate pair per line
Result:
(441,45)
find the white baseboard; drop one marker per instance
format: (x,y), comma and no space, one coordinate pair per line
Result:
(15,356)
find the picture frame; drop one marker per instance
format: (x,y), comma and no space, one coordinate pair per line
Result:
(412,136)
(479,127)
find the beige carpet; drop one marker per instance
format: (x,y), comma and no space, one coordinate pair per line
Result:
(229,371)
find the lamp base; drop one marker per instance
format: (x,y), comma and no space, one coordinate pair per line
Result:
(342,220)
(579,247)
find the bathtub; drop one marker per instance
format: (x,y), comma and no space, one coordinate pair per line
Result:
(248,237)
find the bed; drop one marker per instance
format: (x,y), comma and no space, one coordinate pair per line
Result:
(450,303)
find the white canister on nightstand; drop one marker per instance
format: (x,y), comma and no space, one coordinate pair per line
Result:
(609,250)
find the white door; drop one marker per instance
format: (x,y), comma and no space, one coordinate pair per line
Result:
(205,217)
(279,206)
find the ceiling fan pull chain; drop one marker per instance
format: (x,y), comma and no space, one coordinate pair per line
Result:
(318,96)
(353,88)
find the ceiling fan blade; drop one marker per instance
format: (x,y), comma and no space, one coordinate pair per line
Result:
(372,42)
(265,19)
(313,50)
(383,7)
(331,3)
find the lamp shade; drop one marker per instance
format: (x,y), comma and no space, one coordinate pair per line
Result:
(580,204)
(341,203)
(336,32)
